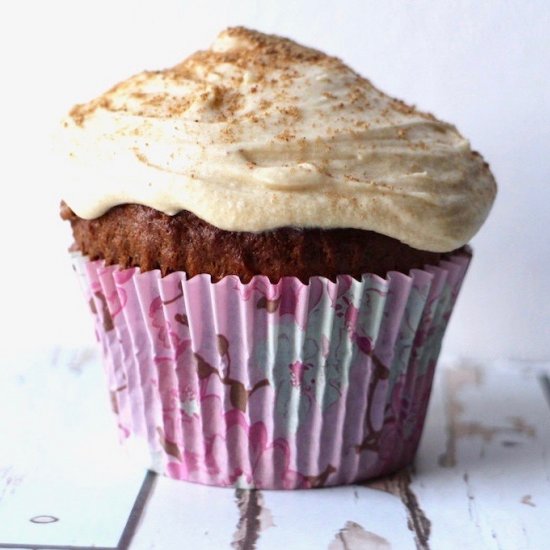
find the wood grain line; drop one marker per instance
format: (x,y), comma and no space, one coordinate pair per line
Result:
(399,484)
(354,536)
(137,511)
(458,379)
(472,513)
(454,381)
(544,380)
(248,527)
(8,481)
(417,521)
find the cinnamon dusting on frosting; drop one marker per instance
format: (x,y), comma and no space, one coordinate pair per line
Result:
(260,132)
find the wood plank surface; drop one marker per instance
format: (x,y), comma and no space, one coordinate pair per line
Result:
(481,478)
(483,470)
(64,480)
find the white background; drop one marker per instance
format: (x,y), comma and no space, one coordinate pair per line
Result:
(482,65)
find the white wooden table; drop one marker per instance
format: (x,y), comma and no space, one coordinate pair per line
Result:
(481,478)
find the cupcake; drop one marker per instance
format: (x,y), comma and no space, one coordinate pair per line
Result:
(271,249)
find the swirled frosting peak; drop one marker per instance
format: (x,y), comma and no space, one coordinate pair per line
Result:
(259,132)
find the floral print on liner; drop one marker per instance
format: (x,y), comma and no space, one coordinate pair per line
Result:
(283,386)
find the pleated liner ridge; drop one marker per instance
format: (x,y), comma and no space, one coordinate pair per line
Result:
(284,386)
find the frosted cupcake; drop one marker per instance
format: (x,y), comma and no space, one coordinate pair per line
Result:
(271,248)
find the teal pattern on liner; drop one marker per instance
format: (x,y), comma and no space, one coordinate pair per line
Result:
(286,385)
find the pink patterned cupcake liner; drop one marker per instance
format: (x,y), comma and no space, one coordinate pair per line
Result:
(282,386)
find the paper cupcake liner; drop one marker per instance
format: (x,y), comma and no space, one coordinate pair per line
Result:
(283,386)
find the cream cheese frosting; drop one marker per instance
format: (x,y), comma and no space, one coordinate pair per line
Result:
(259,132)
